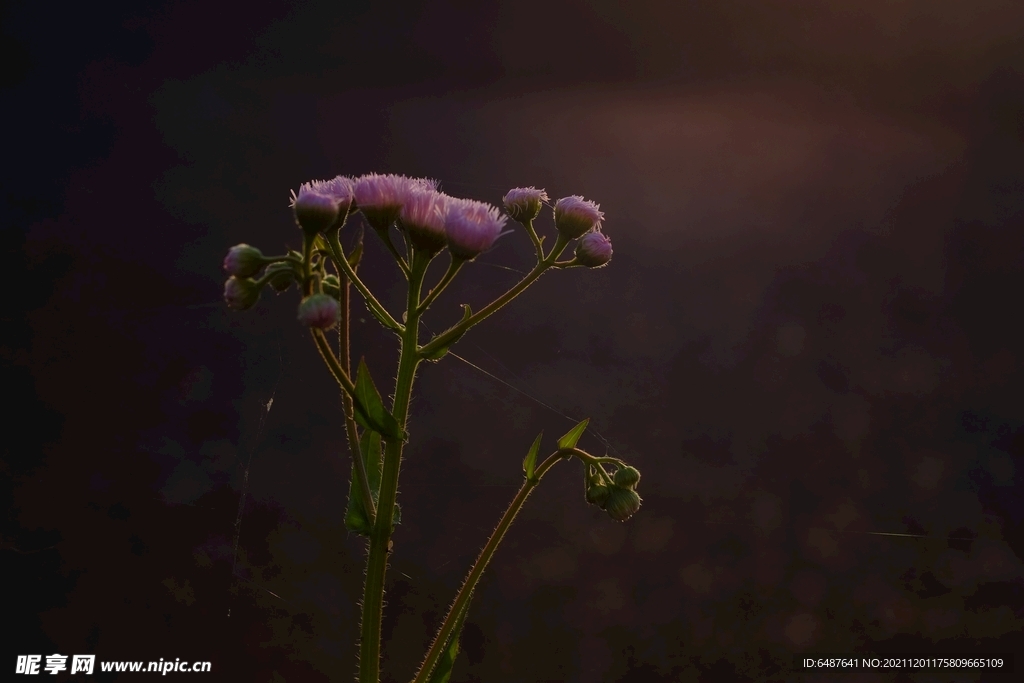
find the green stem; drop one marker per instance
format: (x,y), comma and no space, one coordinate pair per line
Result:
(371,300)
(380,534)
(385,237)
(345,359)
(444,633)
(453,269)
(537,242)
(458,330)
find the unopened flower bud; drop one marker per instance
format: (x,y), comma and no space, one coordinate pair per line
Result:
(575,216)
(594,249)
(471,227)
(319,311)
(622,504)
(332,286)
(241,293)
(597,494)
(243,261)
(523,203)
(314,212)
(280,276)
(627,477)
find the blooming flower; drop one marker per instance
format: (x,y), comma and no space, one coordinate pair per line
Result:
(320,311)
(243,261)
(340,188)
(575,216)
(594,249)
(380,197)
(523,203)
(241,293)
(315,212)
(423,216)
(471,227)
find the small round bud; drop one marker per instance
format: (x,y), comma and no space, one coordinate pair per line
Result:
(332,286)
(594,249)
(575,216)
(243,261)
(319,311)
(627,477)
(523,203)
(241,293)
(597,494)
(622,504)
(280,276)
(314,212)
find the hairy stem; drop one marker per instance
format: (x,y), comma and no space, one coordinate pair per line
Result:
(476,571)
(380,534)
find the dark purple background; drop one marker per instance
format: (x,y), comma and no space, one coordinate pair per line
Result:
(810,332)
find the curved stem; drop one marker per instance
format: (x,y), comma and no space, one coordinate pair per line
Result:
(537,241)
(380,534)
(385,237)
(341,262)
(458,330)
(453,269)
(473,578)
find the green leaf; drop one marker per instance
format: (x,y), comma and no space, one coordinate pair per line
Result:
(357,253)
(572,436)
(370,411)
(370,451)
(439,353)
(443,669)
(531,458)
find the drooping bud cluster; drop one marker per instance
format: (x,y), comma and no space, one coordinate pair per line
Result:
(618,498)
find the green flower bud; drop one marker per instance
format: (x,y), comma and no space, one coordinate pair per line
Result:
(243,261)
(281,276)
(597,494)
(627,477)
(622,504)
(241,293)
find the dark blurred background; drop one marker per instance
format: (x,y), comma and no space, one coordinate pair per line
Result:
(808,340)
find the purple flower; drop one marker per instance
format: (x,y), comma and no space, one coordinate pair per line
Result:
(243,261)
(523,203)
(380,197)
(241,293)
(423,216)
(575,216)
(471,227)
(340,188)
(594,249)
(315,212)
(319,311)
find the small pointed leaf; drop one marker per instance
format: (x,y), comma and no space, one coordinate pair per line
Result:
(440,353)
(531,458)
(355,515)
(370,411)
(443,669)
(572,436)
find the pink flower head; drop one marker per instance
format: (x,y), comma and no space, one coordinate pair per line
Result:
(423,215)
(380,197)
(243,261)
(340,188)
(523,203)
(241,293)
(319,311)
(594,249)
(471,227)
(314,211)
(575,216)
